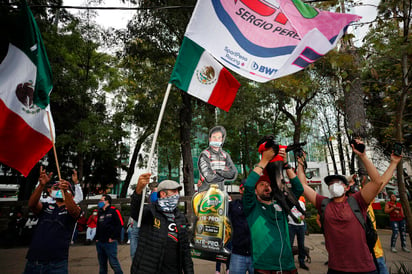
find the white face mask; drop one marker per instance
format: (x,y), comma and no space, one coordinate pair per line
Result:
(215,144)
(336,190)
(56,194)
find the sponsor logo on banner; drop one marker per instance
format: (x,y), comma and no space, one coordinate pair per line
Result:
(263,69)
(234,57)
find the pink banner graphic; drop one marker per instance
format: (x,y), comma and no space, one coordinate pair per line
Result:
(265,39)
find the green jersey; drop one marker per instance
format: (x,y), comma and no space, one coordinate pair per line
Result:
(269,231)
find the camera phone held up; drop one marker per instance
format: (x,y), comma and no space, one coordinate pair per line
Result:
(397,149)
(358,147)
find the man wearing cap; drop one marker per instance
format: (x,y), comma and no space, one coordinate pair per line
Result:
(345,238)
(378,250)
(163,236)
(49,248)
(271,249)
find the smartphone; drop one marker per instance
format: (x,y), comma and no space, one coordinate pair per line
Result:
(358,147)
(397,149)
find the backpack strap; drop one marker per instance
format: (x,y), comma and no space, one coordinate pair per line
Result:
(356,210)
(323,205)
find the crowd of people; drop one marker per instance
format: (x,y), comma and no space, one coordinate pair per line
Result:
(264,226)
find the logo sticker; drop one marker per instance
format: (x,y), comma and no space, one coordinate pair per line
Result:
(156,223)
(211,205)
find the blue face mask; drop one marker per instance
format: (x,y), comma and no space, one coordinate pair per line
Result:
(57,194)
(101,204)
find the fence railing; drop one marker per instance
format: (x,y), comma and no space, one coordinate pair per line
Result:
(7,207)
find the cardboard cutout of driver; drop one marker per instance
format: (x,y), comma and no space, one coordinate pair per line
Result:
(212,228)
(215,165)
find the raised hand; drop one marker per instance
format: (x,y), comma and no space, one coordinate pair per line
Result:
(44,178)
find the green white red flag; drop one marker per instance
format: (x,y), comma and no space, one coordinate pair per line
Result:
(200,75)
(25,85)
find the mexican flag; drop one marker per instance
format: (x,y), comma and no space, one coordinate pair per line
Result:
(200,75)
(25,85)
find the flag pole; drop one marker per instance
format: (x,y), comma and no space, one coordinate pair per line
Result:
(54,149)
(156,133)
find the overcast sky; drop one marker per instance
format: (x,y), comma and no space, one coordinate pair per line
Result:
(119,18)
(107,18)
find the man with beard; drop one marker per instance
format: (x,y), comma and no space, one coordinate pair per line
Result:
(268,222)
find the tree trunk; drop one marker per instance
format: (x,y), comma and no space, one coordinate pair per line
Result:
(340,147)
(133,162)
(329,143)
(185,126)
(80,171)
(399,137)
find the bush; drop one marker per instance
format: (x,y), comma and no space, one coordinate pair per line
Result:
(312,225)
(311,215)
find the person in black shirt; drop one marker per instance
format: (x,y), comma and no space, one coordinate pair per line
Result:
(49,249)
(108,229)
(163,236)
(241,258)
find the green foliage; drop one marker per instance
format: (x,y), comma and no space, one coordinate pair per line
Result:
(88,138)
(312,225)
(384,46)
(311,215)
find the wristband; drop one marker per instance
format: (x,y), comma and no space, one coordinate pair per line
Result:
(287,166)
(261,167)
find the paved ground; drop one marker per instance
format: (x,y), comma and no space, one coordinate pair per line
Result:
(83,258)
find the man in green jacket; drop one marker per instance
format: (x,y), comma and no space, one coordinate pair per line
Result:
(271,249)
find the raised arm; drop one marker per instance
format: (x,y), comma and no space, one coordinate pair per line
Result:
(297,187)
(389,171)
(371,189)
(72,207)
(136,198)
(308,192)
(267,156)
(78,197)
(34,200)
